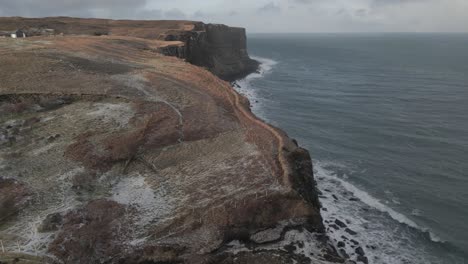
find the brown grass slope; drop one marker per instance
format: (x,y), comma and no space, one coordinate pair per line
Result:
(140,158)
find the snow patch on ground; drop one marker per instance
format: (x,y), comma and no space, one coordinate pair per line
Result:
(35,242)
(43,149)
(113,113)
(152,204)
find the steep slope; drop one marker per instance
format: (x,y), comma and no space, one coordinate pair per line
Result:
(113,153)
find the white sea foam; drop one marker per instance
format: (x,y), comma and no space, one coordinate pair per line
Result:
(387,241)
(386,235)
(245,87)
(374,202)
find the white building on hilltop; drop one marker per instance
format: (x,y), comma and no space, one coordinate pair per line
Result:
(18,34)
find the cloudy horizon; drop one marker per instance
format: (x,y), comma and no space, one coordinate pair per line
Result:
(268,16)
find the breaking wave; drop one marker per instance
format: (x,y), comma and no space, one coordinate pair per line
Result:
(386,236)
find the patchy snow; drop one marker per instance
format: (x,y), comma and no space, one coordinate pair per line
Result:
(152,204)
(119,113)
(43,149)
(32,241)
(47,118)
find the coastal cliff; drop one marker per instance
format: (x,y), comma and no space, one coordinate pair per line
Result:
(219,48)
(222,49)
(112,152)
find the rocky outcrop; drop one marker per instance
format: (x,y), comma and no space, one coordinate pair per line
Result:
(218,48)
(222,50)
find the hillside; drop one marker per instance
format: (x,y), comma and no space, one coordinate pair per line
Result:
(111,152)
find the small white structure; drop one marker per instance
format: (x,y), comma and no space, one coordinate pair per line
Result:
(18,34)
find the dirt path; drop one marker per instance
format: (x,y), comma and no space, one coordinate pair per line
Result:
(250,116)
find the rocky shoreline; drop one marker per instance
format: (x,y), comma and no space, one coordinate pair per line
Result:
(113,153)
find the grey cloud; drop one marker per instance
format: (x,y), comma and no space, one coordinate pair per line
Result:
(270,15)
(153,14)
(270,7)
(393,2)
(82,8)
(175,13)
(361,12)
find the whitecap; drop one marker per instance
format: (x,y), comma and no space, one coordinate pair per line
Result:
(244,86)
(375,224)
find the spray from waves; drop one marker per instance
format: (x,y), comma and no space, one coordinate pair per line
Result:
(266,65)
(385,235)
(356,219)
(244,86)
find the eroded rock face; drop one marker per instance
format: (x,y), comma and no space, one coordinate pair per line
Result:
(223,50)
(135,157)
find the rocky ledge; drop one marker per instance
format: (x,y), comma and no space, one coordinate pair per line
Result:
(111,152)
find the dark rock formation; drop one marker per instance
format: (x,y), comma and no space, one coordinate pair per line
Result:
(222,50)
(219,48)
(51,223)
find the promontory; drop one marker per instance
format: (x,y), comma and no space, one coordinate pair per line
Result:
(123,142)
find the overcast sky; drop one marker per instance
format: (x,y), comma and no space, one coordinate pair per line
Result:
(268,15)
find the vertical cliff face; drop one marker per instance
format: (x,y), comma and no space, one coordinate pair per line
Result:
(221,49)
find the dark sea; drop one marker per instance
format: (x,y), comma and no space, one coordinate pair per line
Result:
(385,118)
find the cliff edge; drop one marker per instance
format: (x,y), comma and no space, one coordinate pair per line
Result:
(219,48)
(112,152)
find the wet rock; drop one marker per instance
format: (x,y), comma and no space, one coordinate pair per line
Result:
(343,253)
(353,199)
(351,232)
(300,244)
(359,251)
(335,227)
(371,247)
(334,197)
(363,259)
(344,237)
(354,242)
(268,235)
(290,248)
(341,244)
(340,223)
(51,223)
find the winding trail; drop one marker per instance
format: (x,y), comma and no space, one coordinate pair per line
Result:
(250,116)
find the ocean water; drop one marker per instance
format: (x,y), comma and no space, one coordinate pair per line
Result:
(385,117)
